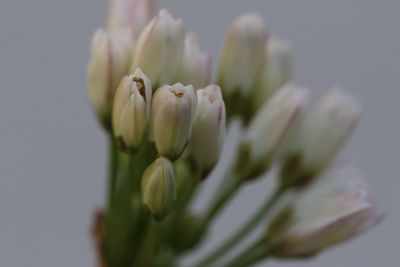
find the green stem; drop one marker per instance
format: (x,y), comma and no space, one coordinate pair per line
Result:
(221,200)
(255,253)
(247,228)
(112,170)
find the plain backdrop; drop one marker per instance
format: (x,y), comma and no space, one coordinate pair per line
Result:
(52,153)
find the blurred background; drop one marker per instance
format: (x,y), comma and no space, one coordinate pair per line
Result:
(52,153)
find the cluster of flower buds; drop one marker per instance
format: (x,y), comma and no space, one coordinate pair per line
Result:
(179,118)
(333,209)
(145,77)
(149,85)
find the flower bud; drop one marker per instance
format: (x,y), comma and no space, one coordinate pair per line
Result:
(335,208)
(209,129)
(173,111)
(242,57)
(196,66)
(277,70)
(159,50)
(159,188)
(268,131)
(131,110)
(133,15)
(109,62)
(323,133)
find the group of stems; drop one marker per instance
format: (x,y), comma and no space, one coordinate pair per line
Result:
(231,186)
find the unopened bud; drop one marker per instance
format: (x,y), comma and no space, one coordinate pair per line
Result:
(109,62)
(131,110)
(196,66)
(321,136)
(209,129)
(159,50)
(241,62)
(159,188)
(268,131)
(335,208)
(173,111)
(130,14)
(277,70)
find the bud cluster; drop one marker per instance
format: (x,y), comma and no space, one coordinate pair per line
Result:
(150,87)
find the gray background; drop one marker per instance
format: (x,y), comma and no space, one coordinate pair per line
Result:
(52,153)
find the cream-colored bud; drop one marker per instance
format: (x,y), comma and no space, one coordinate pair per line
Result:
(131,110)
(326,129)
(173,111)
(335,208)
(196,65)
(243,55)
(130,14)
(109,62)
(209,129)
(277,70)
(270,128)
(159,188)
(159,50)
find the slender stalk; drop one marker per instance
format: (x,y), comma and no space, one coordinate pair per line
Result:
(255,253)
(112,170)
(221,200)
(247,228)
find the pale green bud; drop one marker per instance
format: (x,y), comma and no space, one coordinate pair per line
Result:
(159,50)
(131,110)
(243,55)
(335,208)
(196,65)
(133,15)
(159,188)
(173,111)
(109,62)
(270,128)
(209,129)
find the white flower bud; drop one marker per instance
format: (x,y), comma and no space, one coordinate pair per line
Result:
(173,111)
(159,50)
(196,66)
(243,55)
(334,209)
(130,14)
(325,130)
(159,188)
(131,110)
(277,70)
(109,62)
(209,129)
(269,129)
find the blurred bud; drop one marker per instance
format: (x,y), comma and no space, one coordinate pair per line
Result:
(133,15)
(321,135)
(159,188)
(159,50)
(267,132)
(335,208)
(109,62)
(196,66)
(277,70)
(131,110)
(242,57)
(208,130)
(173,111)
